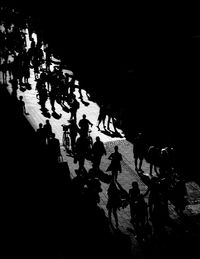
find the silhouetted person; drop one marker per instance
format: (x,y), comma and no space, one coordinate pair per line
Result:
(54,149)
(73,132)
(102,116)
(134,192)
(115,165)
(22,106)
(139,150)
(110,114)
(84,124)
(41,136)
(48,130)
(74,107)
(98,150)
(81,151)
(114,202)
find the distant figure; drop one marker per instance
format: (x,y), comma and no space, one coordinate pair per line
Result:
(110,114)
(139,150)
(21,106)
(73,131)
(102,116)
(54,149)
(134,193)
(40,133)
(81,151)
(114,202)
(98,150)
(115,165)
(48,130)
(74,107)
(84,124)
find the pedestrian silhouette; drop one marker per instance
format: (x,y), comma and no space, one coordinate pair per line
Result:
(102,116)
(115,165)
(41,136)
(114,202)
(48,131)
(98,150)
(84,124)
(22,106)
(54,149)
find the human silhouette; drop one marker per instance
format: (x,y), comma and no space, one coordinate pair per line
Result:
(98,150)
(139,150)
(48,130)
(102,116)
(114,202)
(73,132)
(74,107)
(22,106)
(54,149)
(81,151)
(41,136)
(134,192)
(115,165)
(84,124)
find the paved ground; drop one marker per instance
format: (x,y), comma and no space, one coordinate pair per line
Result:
(128,174)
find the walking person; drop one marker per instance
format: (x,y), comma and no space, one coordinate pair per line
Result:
(98,150)
(84,124)
(54,149)
(74,107)
(102,116)
(48,130)
(114,202)
(115,165)
(22,106)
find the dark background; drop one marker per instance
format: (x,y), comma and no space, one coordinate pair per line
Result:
(144,59)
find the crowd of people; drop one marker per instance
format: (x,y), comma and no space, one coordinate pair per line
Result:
(149,212)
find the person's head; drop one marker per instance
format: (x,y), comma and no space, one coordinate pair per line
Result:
(47,121)
(116,148)
(97,138)
(40,125)
(135,185)
(21,97)
(84,116)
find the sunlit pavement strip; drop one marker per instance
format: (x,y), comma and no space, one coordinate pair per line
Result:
(126,148)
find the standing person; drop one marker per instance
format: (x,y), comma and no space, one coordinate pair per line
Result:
(22,106)
(98,150)
(114,202)
(48,130)
(84,124)
(102,116)
(54,149)
(40,133)
(81,151)
(139,147)
(74,107)
(134,193)
(73,131)
(115,165)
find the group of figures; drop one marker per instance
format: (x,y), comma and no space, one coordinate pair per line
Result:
(149,212)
